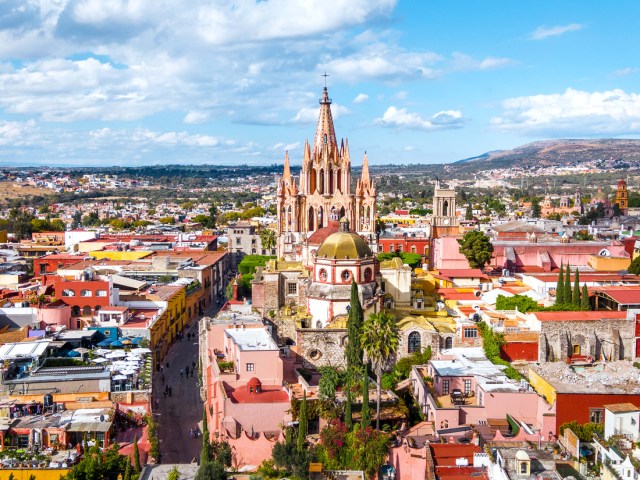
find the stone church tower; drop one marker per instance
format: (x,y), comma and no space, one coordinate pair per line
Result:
(444,219)
(323,194)
(622,198)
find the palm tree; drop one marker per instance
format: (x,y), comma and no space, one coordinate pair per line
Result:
(380,340)
(268,239)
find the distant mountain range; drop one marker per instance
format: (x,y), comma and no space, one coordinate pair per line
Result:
(607,153)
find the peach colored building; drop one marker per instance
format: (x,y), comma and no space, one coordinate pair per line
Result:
(543,253)
(243,387)
(464,388)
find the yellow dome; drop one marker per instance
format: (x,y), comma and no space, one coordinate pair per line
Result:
(341,245)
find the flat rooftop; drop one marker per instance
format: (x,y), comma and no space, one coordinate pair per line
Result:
(619,377)
(249,339)
(471,362)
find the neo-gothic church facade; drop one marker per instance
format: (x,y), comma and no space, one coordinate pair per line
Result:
(322,195)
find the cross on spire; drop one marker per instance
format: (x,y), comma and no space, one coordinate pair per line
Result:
(325,75)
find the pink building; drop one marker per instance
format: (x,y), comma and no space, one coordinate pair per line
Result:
(245,399)
(466,389)
(543,254)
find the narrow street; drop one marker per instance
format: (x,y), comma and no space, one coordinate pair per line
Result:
(181,412)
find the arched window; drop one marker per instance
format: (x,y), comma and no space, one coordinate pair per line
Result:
(415,342)
(413,249)
(86,293)
(367,274)
(339,181)
(311,218)
(445,208)
(312,180)
(75,311)
(86,310)
(321,189)
(67,292)
(331,182)
(101,293)
(448,343)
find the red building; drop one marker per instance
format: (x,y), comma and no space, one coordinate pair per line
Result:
(85,297)
(391,242)
(49,264)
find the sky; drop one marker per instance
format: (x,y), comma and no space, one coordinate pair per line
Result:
(146,82)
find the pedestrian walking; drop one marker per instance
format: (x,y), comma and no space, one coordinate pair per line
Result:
(193,364)
(181,373)
(157,403)
(170,391)
(187,370)
(162,378)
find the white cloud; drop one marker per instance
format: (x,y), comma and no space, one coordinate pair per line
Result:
(196,117)
(401,118)
(309,115)
(542,33)
(573,112)
(249,21)
(623,72)
(17,133)
(460,61)
(401,95)
(282,147)
(361,97)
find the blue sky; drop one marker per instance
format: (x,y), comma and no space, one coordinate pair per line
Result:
(95,82)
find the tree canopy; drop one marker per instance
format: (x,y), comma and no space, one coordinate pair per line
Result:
(477,248)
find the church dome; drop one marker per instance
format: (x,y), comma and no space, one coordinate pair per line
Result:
(343,245)
(323,233)
(600,196)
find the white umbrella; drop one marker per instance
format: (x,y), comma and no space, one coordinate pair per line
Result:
(99,360)
(141,350)
(102,351)
(119,377)
(128,372)
(116,354)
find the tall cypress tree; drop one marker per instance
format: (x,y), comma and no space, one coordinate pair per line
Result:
(575,299)
(136,455)
(354,329)
(348,417)
(560,286)
(302,423)
(205,454)
(567,286)
(584,301)
(366,412)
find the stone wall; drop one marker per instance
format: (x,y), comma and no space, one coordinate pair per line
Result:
(612,338)
(428,338)
(322,347)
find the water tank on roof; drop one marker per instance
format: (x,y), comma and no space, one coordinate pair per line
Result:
(87,275)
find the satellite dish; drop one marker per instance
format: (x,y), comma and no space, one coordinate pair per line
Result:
(102,418)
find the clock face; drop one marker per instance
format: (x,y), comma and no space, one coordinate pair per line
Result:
(446,221)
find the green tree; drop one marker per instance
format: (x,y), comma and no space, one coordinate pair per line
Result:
(136,455)
(268,239)
(127,471)
(584,301)
(380,338)
(355,319)
(634,268)
(477,248)
(348,415)
(536,211)
(302,423)
(205,454)
(365,419)
(521,302)
(567,285)
(560,286)
(469,213)
(575,299)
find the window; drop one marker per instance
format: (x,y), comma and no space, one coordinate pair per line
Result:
(415,342)
(292,288)
(445,387)
(470,333)
(86,293)
(67,292)
(238,241)
(367,274)
(43,268)
(596,415)
(345,275)
(383,286)
(390,248)
(399,247)
(101,293)
(467,387)
(250,367)
(323,275)
(523,468)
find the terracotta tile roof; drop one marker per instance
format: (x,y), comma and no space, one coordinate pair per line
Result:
(269,394)
(12,336)
(622,295)
(622,407)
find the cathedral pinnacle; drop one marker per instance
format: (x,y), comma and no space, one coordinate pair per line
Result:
(325,132)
